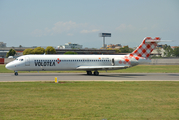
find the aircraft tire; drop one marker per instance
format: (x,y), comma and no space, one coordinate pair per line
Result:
(89,72)
(16,73)
(96,73)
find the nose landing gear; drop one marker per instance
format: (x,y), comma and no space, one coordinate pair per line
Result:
(15,73)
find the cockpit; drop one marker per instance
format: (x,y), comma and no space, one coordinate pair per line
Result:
(19,59)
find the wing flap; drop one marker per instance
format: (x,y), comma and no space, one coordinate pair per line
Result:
(100,67)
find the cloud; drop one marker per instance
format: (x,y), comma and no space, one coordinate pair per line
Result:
(89,31)
(70,34)
(124,27)
(37,33)
(68,28)
(60,26)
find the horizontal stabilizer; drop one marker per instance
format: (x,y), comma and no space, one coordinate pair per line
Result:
(149,41)
(100,67)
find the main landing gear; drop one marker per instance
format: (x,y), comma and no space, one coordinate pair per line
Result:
(95,73)
(15,73)
(89,72)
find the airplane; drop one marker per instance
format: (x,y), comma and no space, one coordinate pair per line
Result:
(87,63)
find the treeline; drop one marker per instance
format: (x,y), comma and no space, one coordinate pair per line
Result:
(40,50)
(125,49)
(169,52)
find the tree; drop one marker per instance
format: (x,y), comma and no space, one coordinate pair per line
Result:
(39,50)
(11,52)
(117,50)
(70,52)
(176,52)
(28,51)
(109,48)
(126,49)
(168,50)
(50,50)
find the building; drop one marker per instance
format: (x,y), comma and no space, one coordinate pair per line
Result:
(159,52)
(116,46)
(2,45)
(71,46)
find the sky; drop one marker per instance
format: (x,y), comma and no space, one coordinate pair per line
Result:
(56,22)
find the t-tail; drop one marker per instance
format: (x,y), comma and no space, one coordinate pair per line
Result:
(143,51)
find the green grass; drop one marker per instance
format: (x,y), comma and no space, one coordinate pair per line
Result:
(89,100)
(135,69)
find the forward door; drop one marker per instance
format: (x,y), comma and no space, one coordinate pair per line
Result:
(27,61)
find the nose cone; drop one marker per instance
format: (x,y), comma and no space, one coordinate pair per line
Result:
(9,66)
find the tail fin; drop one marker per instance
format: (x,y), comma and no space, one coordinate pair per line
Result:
(146,47)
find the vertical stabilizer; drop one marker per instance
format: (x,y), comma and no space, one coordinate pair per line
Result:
(146,47)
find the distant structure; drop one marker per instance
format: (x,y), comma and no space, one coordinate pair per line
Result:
(116,46)
(2,45)
(70,46)
(104,35)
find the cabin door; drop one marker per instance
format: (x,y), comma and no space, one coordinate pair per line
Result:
(113,62)
(27,61)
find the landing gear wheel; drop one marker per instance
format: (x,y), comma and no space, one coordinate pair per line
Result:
(16,73)
(96,73)
(89,72)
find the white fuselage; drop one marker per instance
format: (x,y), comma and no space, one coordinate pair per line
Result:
(70,62)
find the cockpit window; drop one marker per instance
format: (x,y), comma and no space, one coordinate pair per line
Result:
(20,59)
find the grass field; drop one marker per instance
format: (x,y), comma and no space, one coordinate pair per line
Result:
(89,100)
(135,69)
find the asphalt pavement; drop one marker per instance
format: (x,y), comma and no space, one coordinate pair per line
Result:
(10,77)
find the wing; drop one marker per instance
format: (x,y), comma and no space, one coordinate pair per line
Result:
(100,67)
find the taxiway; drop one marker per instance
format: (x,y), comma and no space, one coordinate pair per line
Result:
(9,77)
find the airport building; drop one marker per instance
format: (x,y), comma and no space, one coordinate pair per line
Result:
(114,46)
(2,45)
(70,46)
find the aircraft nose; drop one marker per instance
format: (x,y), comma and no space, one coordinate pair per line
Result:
(9,66)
